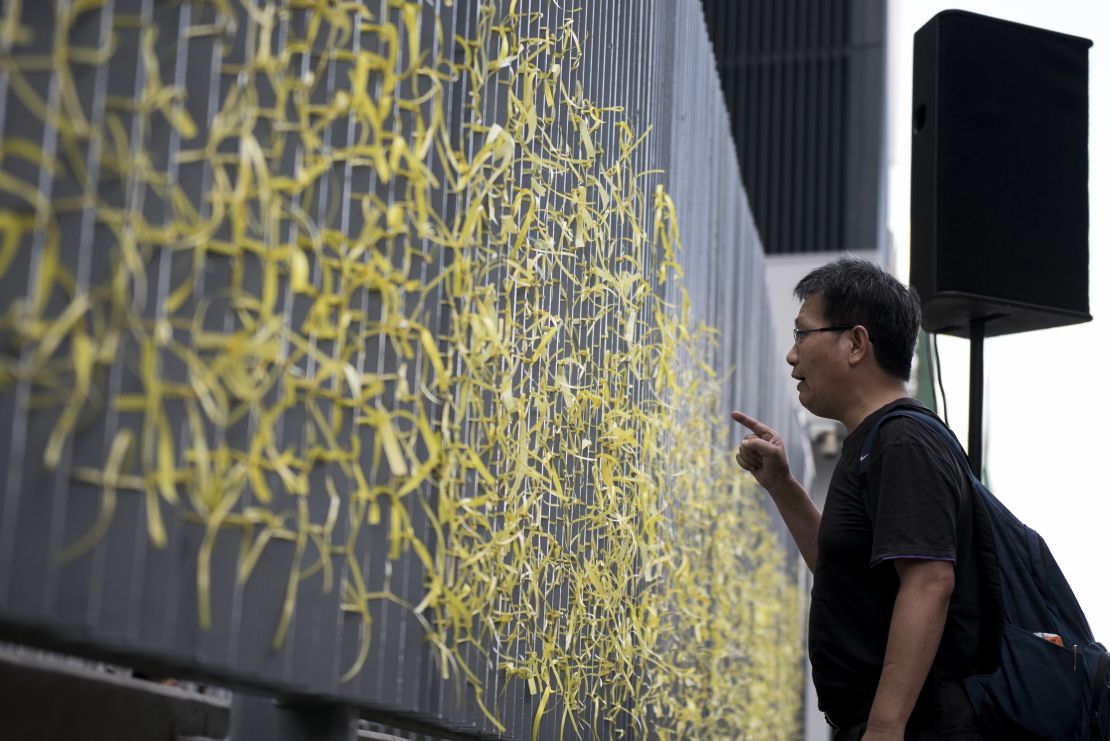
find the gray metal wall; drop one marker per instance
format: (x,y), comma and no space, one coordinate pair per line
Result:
(126,599)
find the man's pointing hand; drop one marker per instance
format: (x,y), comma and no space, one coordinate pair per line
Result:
(762,453)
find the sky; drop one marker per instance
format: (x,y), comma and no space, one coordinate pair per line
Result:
(1047,392)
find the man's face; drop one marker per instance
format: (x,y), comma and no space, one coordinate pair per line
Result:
(819,361)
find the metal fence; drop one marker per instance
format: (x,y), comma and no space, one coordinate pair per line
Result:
(377,354)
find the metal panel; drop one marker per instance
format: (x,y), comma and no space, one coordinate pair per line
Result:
(265,594)
(804,83)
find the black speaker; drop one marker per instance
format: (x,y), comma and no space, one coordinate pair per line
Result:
(999,203)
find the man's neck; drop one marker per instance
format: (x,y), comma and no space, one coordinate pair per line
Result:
(872,401)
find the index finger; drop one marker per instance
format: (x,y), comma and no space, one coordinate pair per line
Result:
(752,423)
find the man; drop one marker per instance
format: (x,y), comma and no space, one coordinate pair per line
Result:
(894,617)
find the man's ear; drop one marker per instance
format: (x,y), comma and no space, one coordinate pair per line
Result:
(859,344)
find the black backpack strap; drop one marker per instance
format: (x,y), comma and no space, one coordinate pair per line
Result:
(1033,543)
(939,427)
(990,574)
(932,422)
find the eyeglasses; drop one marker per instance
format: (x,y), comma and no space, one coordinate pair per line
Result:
(800,333)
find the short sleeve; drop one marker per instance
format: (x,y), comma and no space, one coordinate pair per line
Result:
(916,503)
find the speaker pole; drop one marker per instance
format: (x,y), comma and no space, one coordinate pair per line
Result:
(975,425)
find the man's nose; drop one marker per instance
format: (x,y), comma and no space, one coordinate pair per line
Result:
(792,356)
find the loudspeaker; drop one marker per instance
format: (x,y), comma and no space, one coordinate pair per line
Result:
(999,203)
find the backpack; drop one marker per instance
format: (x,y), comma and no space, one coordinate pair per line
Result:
(1034,688)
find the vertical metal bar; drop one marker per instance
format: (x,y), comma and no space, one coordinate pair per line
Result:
(501,465)
(439,688)
(975,421)
(550,510)
(382,626)
(496,277)
(570,310)
(208,283)
(469,11)
(133,204)
(605,94)
(410,580)
(298,438)
(174,611)
(140,554)
(345,208)
(84,260)
(13,483)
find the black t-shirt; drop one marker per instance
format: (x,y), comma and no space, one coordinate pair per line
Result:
(922,509)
